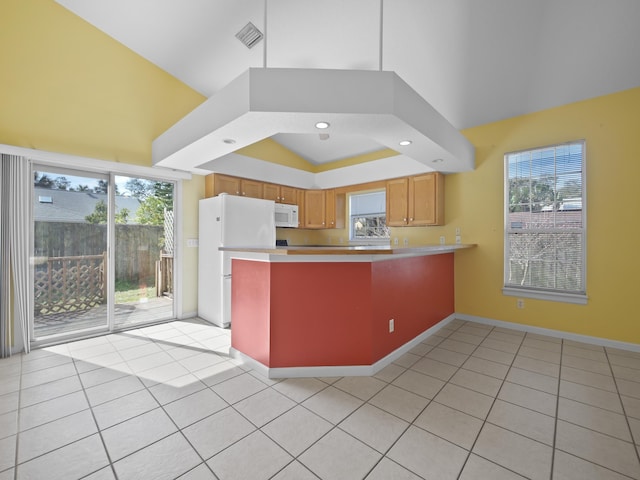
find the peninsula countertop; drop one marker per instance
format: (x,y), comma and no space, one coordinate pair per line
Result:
(333,252)
(351,249)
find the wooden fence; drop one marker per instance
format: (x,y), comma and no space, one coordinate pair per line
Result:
(69,284)
(138,247)
(70,264)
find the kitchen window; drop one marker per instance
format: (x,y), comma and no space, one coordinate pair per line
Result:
(545,228)
(367,215)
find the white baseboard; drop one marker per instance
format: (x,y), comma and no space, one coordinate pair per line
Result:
(604,342)
(341,370)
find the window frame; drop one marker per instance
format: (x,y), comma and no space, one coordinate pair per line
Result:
(365,240)
(556,295)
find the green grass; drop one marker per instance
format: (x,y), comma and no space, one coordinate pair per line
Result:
(128,292)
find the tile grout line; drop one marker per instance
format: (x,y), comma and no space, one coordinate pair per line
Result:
(484,421)
(95,420)
(336,426)
(555,421)
(409,424)
(601,408)
(624,410)
(178,428)
(365,402)
(15,460)
(412,423)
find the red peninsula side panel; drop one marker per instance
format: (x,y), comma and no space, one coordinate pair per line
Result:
(250,300)
(415,292)
(320,314)
(309,314)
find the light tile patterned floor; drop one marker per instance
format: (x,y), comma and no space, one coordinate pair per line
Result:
(471,402)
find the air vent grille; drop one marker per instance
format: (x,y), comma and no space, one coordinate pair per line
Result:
(249,35)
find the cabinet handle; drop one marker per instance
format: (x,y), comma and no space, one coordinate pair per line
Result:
(237,193)
(404,219)
(411,219)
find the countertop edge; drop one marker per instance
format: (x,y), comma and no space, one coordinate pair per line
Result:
(355,250)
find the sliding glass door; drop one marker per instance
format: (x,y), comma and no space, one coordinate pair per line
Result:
(143,251)
(103,252)
(70,239)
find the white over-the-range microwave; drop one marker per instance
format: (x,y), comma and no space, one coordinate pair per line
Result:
(286,215)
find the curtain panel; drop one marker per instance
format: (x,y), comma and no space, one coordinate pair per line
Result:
(15,208)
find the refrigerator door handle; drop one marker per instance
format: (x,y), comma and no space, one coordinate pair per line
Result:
(226,275)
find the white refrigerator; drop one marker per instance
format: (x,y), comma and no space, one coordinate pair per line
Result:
(228,221)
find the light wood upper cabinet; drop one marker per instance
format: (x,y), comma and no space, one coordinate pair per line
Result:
(330,208)
(215,184)
(315,209)
(300,202)
(323,209)
(397,202)
(411,201)
(426,199)
(416,201)
(251,188)
(288,195)
(271,191)
(280,193)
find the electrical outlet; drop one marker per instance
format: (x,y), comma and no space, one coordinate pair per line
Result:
(520,303)
(458,239)
(457,230)
(391,325)
(406,242)
(395,241)
(442,240)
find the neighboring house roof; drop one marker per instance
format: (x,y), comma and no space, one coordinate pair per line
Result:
(50,205)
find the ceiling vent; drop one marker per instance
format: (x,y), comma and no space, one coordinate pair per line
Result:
(249,35)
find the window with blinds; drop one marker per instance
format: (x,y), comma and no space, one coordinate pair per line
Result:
(367,213)
(545,223)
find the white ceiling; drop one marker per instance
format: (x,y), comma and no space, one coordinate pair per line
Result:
(474,61)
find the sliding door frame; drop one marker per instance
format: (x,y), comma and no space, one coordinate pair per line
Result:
(109,169)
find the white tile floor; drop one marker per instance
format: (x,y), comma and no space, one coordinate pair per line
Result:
(472,402)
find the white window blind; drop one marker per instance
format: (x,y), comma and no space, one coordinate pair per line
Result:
(545,223)
(367,212)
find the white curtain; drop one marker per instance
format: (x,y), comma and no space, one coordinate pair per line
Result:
(15,207)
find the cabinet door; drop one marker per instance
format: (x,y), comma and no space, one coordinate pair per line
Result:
(271,192)
(301,203)
(426,199)
(288,195)
(397,205)
(225,184)
(251,188)
(330,208)
(314,209)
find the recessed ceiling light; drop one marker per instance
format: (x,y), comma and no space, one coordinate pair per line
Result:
(437,160)
(404,143)
(230,141)
(322,125)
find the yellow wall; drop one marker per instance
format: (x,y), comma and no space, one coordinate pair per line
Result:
(610,126)
(67,87)
(474,203)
